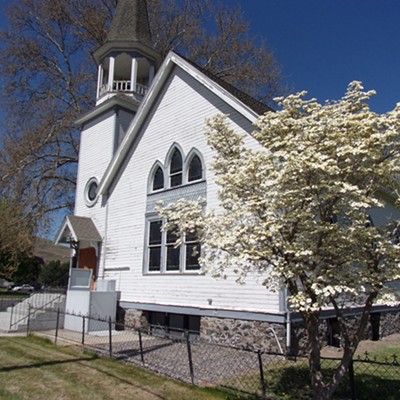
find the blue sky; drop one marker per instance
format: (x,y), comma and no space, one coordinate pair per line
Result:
(322,45)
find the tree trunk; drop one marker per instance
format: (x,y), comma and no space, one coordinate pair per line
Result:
(314,357)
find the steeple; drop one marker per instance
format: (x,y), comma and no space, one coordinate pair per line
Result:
(130,23)
(127,61)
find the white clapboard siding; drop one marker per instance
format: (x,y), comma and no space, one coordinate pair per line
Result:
(179,117)
(124,120)
(96,151)
(384,215)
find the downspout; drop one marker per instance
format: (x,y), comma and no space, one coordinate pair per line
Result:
(105,237)
(288,323)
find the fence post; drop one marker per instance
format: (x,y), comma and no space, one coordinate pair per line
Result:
(351,380)
(189,349)
(141,346)
(29,319)
(11,316)
(83,329)
(57,324)
(110,335)
(262,380)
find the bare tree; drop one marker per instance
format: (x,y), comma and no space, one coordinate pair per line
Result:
(16,237)
(48,78)
(48,81)
(216,37)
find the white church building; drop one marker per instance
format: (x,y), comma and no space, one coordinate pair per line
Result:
(144,142)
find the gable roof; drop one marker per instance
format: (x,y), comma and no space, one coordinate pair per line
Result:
(256,105)
(78,229)
(250,108)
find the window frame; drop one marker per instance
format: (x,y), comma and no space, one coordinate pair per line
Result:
(177,173)
(164,246)
(184,172)
(150,184)
(88,201)
(191,242)
(188,162)
(158,168)
(150,246)
(170,246)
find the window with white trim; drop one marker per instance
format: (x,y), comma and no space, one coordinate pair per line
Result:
(154,246)
(90,192)
(158,179)
(173,253)
(192,252)
(176,169)
(195,170)
(164,256)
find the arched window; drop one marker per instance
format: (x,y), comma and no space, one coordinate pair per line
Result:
(158,179)
(175,169)
(195,169)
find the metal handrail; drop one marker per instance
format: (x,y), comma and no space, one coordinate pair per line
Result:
(36,309)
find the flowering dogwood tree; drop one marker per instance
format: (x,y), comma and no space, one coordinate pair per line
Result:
(297,211)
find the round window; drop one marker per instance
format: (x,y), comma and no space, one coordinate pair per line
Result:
(91,191)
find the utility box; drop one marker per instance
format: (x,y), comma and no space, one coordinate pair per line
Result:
(103,285)
(99,304)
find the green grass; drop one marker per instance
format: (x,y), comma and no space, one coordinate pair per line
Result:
(33,368)
(289,380)
(389,353)
(9,294)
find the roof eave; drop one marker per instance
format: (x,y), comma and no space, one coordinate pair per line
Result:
(66,224)
(170,61)
(105,106)
(126,45)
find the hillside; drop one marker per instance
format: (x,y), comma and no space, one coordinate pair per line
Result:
(48,251)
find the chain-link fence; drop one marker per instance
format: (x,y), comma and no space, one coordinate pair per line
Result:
(187,358)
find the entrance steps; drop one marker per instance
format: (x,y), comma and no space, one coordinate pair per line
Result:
(39,310)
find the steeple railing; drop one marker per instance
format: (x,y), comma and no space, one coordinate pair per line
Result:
(124,87)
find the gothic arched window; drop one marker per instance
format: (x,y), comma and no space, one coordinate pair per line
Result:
(158,179)
(175,169)
(195,169)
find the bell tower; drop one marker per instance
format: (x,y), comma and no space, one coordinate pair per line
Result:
(127,62)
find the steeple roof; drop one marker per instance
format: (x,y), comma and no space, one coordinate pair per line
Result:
(130,23)
(130,30)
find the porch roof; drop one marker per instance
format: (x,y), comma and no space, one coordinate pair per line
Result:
(77,229)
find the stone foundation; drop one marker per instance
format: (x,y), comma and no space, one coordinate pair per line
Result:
(254,335)
(298,337)
(389,323)
(380,324)
(135,319)
(265,336)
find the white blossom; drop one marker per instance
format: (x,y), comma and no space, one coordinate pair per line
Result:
(296,212)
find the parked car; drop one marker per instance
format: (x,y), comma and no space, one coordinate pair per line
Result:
(23,288)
